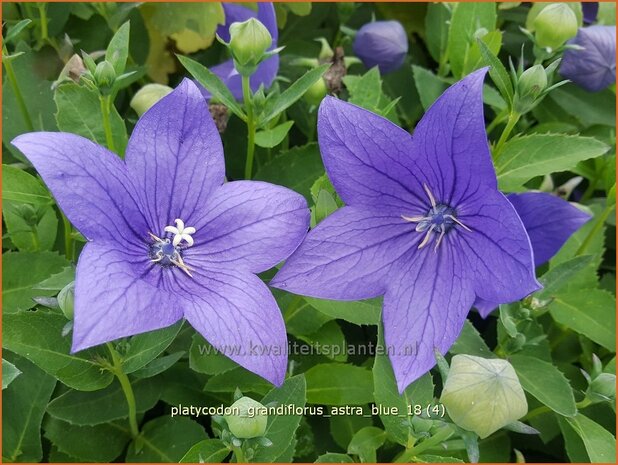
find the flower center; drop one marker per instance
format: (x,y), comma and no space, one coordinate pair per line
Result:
(168,252)
(438,220)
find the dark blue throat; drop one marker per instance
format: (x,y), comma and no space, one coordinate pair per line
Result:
(165,254)
(440,217)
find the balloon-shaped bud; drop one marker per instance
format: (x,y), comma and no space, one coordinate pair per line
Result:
(316,92)
(530,86)
(483,395)
(66,300)
(383,44)
(554,25)
(249,42)
(248,420)
(147,96)
(104,74)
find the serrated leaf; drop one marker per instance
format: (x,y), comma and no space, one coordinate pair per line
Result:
(282,428)
(105,405)
(561,276)
(269,138)
(158,365)
(362,312)
(331,457)
(600,444)
(290,95)
(9,373)
(497,71)
(339,384)
(429,86)
(525,157)
(145,347)
(118,49)
(551,389)
(436,29)
(206,451)
(20,186)
(24,403)
(213,84)
(470,342)
(366,442)
(591,312)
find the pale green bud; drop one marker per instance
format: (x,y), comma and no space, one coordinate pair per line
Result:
(483,395)
(104,74)
(554,25)
(66,300)
(316,92)
(603,388)
(249,422)
(249,42)
(532,82)
(147,96)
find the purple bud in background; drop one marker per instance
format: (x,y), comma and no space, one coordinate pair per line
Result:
(590,11)
(594,66)
(381,43)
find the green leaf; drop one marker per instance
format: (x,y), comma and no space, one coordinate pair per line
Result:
(79,112)
(366,442)
(13,31)
(145,347)
(214,85)
(206,451)
(24,403)
(344,427)
(22,271)
(281,429)
(118,49)
(525,157)
(296,169)
(429,86)
(427,458)
(436,29)
(300,317)
(100,443)
(204,358)
(9,373)
(239,378)
(38,337)
(466,20)
(474,59)
(497,71)
(105,405)
(269,138)
(561,276)
(589,108)
(551,389)
(331,457)
(362,312)
(339,384)
(366,90)
(599,443)
(165,439)
(290,95)
(386,395)
(470,342)
(58,281)
(328,341)
(158,365)
(30,228)
(20,186)
(591,312)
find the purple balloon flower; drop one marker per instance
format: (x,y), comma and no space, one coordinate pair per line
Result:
(594,67)
(168,238)
(383,44)
(267,70)
(424,225)
(549,221)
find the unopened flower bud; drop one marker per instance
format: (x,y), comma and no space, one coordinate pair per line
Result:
(249,42)
(554,25)
(602,388)
(483,395)
(147,96)
(383,44)
(316,92)
(105,74)
(532,82)
(249,422)
(66,299)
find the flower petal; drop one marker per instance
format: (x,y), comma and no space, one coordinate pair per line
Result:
(250,224)
(549,221)
(113,301)
(485,307)
(90,185)
(238,315)
(498,250)
(369,160)
(348,255)
(425,307)
(450,142)
(176,157)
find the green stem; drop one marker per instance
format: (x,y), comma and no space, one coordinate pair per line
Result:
(43,19)
(500,117)
(246,92)
(536,412)
(239,454)
(68,237)
(106,103)
(598,226)
(125,383)
(592,185)
(441,436)
(10,73)
(510,125)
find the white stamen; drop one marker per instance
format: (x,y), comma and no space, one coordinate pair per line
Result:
(430,195)
(451,217)
(181,233)
(442,233)
(427,237)
(413,219)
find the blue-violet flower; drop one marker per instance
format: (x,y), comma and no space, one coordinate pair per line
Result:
(383,44)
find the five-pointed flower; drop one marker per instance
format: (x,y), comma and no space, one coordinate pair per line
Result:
(424,225)
(549,222)
(267,70)
(137,273)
